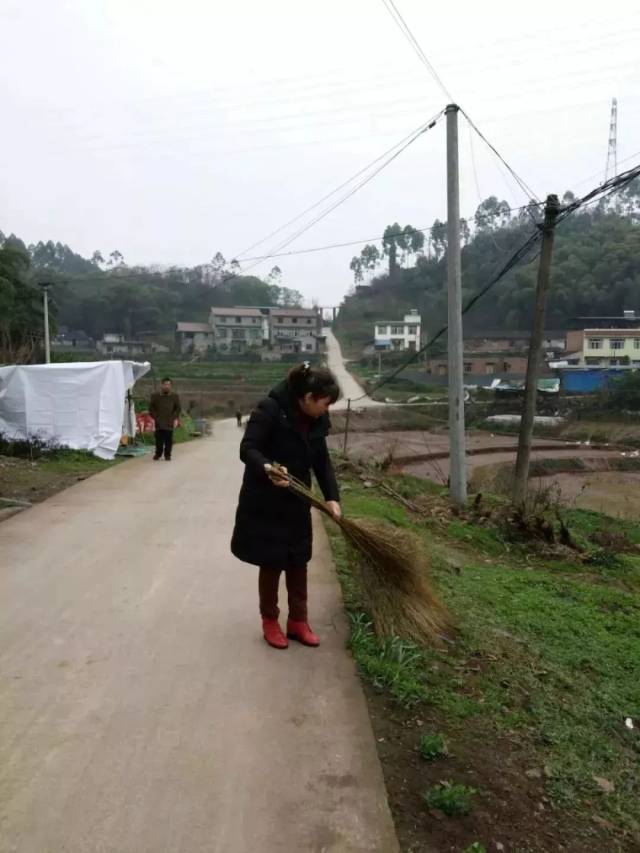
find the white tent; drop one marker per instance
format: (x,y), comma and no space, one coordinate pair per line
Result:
(81,405)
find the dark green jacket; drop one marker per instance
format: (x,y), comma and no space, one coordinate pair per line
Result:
(164,409)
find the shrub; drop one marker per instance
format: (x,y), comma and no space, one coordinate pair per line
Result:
(453,800)
(432,746)
(33,447)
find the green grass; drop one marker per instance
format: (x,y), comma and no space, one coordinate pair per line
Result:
(75,462)
(223,372)
(546,650)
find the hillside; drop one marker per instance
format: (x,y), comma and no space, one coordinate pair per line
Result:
(97,296)
(596,270)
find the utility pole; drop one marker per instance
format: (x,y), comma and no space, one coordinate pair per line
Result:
(521,478)
(346,427)
(457,461)
(45,306)
(379,364)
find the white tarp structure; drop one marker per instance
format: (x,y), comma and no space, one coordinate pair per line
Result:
(81,405)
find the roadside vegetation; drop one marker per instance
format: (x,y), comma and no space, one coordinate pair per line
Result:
(523,727)
(31,471)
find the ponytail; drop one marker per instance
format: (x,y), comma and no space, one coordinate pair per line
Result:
(317,381)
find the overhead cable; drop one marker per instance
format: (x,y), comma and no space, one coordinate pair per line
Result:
(408,138)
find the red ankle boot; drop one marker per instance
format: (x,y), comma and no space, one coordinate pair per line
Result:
(301,632)
(273,634)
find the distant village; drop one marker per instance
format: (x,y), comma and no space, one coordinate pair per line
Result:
(582,357)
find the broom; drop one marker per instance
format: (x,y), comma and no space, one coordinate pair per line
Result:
(393,573)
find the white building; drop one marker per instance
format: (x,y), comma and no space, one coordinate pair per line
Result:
(399,334)
(113,343)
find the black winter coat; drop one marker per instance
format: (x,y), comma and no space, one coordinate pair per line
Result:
(273,525)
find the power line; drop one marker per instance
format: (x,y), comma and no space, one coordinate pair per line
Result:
(350,180)
(515,258)
(404,28)
(526,189)
(311,249)
(607,188)
(416,135)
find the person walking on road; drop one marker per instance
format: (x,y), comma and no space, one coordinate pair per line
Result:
(239,417)
(273,526)
(164,408)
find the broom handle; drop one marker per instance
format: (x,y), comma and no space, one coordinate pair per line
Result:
(303,491)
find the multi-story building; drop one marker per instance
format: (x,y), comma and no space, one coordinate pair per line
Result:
(399,334)
(237,329)
(194,337)
(274,331)
(612,347)
(295,329)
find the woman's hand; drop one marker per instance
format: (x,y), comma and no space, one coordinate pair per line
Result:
(278,475)
(334,506)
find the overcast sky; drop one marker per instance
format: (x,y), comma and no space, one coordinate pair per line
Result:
(174,130)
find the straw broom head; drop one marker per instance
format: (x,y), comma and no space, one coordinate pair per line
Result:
(393,571)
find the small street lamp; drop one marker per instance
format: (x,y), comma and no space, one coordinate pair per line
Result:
(45,304)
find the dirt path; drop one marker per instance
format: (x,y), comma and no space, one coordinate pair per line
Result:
(141,710)
(349,386)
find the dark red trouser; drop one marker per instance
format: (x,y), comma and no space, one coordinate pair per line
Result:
(268,581)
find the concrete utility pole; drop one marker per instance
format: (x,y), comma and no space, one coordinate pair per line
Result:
(457,461)
(346,428)
(521,477)
(45,306)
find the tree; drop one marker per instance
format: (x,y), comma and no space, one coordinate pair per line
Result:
(20,307)
(275,275)
(218,264)
(392,234)
(408,241)
(97,259)
(411,243)
(370,257)
(492,214)
(356,268)
(439,238)
(116,259)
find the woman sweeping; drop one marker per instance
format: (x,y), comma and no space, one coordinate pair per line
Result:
(273,526)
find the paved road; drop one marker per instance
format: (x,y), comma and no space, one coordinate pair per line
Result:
(141,712)
(350,388)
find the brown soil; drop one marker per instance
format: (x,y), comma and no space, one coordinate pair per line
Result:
(400,445)
(616,493)
(511,812)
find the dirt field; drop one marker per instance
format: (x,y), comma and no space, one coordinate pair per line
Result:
(614,492)
(420,442)
(399,445)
